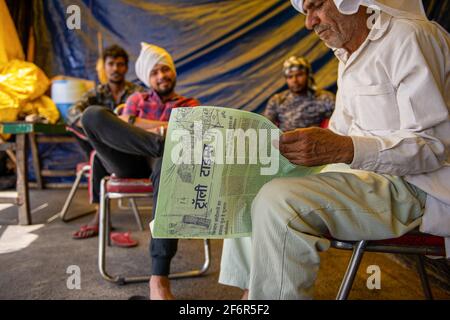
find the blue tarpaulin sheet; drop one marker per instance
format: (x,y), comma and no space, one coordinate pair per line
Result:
(228,53)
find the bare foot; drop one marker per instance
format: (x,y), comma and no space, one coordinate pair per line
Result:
(245,295)
(160,288)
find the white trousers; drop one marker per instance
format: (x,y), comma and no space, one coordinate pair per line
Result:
(291,215)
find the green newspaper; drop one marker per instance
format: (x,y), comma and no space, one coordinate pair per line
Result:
(215,161)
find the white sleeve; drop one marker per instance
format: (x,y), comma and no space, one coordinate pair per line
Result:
(419,73)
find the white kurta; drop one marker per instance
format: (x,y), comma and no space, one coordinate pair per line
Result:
(394,100)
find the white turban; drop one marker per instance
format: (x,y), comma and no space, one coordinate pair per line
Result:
(411,9)
(150,56)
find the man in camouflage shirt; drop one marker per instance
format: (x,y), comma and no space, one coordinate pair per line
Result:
(302,105)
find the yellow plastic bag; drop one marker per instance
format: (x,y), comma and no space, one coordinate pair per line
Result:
(43,106)
(24,80)
(22,85)
(9,107)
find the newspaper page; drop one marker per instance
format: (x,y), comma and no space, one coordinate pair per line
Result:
(215,161)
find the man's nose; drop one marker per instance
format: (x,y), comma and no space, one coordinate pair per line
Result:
(161,75)
(311,21)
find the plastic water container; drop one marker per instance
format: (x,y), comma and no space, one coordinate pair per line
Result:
(66,92)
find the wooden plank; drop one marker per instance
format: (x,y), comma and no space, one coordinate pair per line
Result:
(13,200)
(36,160)
(64,185)
(7,146)
(20,127)
(16,127)
(58,173)
(55,139)
(50,128)
(22,181)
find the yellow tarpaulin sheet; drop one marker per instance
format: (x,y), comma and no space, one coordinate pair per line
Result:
(10,47)
(22,84)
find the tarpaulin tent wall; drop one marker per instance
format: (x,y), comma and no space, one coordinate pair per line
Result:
(10,46)
(228,52)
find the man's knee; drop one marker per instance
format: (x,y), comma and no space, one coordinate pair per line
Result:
(270,197)
(92,116)
(283,198)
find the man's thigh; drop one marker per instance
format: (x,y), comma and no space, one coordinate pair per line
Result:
(350,205)
(125,165)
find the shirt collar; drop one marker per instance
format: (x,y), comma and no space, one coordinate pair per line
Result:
(129,86)
(379,29)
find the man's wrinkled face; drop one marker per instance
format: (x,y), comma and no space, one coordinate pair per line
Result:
(115,69)
(333,27)
(297,80)
(162,79)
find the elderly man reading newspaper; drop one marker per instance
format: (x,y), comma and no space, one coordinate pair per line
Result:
(386,154)
(390,134)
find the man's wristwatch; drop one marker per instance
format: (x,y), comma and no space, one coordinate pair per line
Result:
(132,119)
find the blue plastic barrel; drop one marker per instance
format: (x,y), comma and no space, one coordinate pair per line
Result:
(67,92)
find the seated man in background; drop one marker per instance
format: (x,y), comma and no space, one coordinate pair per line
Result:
(302,105)
(110,95)
(387,150)
(130,147)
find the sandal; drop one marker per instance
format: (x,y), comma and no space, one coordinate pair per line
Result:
(86,232)
(122,239)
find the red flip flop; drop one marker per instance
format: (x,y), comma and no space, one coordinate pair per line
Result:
(122,239)
(85,232)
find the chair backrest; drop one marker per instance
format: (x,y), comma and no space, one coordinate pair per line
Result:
(325,123)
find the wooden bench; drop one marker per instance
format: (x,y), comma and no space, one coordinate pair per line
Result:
(25,133)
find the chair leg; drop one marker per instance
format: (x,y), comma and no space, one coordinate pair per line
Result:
(198,272)
(352,269)
(136,279)
(136,214)
(103,236)
(424,277)
(72,192)
(108,219)
(62,214)
(125,206)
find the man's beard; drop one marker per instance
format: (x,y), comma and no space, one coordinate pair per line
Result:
(166,91)
(298,89)
(116,80)
(336,40)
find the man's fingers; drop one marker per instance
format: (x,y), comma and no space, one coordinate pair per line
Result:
(297,147)
(306,162)
(291,136)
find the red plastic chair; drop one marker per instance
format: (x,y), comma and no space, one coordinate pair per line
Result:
(415,243)
(117,188)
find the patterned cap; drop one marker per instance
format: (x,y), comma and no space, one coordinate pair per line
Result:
(299,63)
